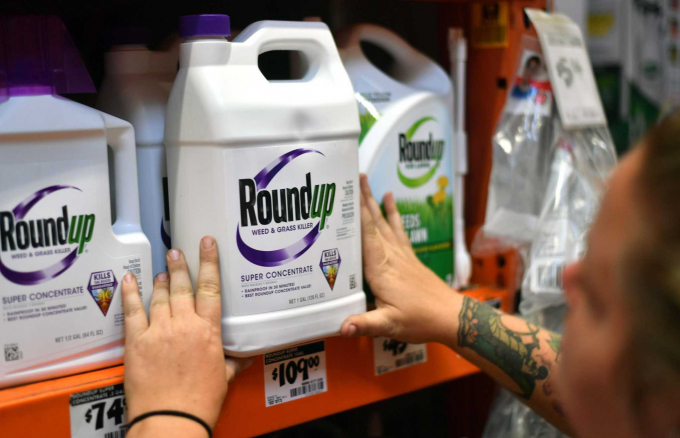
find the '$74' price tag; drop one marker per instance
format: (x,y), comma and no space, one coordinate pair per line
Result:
(294,373)
(99,413)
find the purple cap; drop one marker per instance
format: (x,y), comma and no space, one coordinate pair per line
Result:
(204,25)
(37,57)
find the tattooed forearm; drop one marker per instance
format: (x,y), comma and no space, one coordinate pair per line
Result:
(482,330)
(555,342)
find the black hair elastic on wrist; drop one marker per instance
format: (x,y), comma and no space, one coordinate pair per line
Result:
(171,414)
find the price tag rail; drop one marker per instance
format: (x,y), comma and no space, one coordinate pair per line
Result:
(47,408)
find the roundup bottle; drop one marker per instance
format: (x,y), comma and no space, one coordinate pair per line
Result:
(406,138)
(61,260)
(270,169)
(136,87)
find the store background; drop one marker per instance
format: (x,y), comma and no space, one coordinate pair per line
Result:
(627,76)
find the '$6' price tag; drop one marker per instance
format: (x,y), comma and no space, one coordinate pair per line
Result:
(288,372)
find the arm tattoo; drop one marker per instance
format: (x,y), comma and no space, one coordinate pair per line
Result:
(555,342)
(482,330)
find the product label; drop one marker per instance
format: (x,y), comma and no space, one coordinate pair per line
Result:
(294,373)
(99,413)
(571,73)
(296,225)
(390,355)
(59,288)
(531,92)
(416,165)
(489,25)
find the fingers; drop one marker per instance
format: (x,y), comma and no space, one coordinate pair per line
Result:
(135,318)
(394,219)
(208,299)
(373,323)
(374,209)
(181,290)
(235,365)
(160,299)
(372,247)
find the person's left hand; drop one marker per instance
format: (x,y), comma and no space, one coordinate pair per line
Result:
(174,360)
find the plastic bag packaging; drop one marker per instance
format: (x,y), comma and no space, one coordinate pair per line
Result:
(582,162)
(521,156)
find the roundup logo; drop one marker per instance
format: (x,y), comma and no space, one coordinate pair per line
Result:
(416,154)
(19,233)
(260,206)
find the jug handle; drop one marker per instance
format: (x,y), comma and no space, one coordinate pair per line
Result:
(314,39)
(387,40)
(120,135)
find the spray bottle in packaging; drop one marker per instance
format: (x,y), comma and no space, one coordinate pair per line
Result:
(62,261)
(270,169)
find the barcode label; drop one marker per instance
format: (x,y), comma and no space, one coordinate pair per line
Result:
(390,355)
(307,389)
(117,434)
(411,358)
(353,281)
(294,373)
(547,276)
(12,352)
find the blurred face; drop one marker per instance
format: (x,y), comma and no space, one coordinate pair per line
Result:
(595,380)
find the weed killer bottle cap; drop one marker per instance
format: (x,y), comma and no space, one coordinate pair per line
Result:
(38,57)
(205,25)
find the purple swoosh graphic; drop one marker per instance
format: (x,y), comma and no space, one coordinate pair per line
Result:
(165,237)
(265,176)
(37,277)
(278,256)
(24,206)
(41,275)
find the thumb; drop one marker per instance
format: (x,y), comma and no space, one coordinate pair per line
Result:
(374,323)
(235,365)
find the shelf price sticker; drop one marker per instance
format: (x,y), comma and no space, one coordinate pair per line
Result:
(571,74)
(99,413)
(390,355)
(294,373)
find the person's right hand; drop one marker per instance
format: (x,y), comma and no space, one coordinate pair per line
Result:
(413,304)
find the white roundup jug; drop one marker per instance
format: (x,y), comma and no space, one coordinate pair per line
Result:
(406,139)
(136,87)
(61,260)
(270,169)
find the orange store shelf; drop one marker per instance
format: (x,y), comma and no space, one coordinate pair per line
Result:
(42,409)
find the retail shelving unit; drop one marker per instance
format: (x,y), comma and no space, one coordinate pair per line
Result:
(44,409)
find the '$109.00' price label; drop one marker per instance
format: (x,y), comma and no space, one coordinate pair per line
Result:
(290,371)
(295,372)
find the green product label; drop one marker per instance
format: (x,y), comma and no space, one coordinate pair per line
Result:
(429,225)
(416,165)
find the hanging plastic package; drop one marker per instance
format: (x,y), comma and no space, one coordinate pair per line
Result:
(520,156)
(582,157)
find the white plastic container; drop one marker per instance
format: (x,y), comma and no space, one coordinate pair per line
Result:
(407,139)
(61,259)
(236,143)
(135,88)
